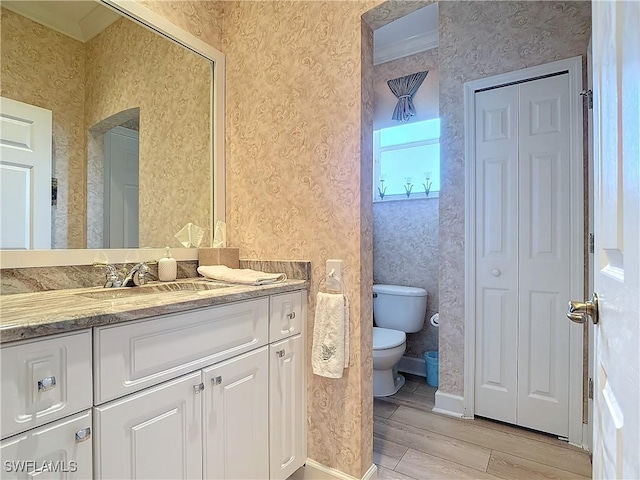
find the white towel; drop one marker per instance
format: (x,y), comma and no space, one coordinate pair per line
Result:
(330,351)
(243,276)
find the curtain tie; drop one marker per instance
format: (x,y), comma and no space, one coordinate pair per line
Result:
(404,88)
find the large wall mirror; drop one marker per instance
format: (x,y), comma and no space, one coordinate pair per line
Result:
(126,118)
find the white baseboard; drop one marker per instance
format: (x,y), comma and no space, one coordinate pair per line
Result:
(316,471)
(449,404)
(412,365)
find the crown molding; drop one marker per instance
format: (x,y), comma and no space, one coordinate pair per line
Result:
(405,47)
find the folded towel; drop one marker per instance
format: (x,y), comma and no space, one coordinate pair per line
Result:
(244,276)
(330,351)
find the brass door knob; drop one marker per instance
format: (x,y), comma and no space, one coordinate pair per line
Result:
(576,311)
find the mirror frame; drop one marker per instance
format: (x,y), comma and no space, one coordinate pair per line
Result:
(143,16)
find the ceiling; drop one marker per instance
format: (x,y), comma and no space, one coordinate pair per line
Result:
(80,19)
(408,35)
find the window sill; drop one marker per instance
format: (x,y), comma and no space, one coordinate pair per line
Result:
(402,197)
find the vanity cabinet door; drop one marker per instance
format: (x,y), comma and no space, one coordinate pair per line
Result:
(236,418)
(154,434)
(287,315)
(61,449)
(287,412)
(44,380)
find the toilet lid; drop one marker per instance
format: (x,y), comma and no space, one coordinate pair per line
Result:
(384,338)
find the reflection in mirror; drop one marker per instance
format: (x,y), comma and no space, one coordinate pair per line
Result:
(129,134)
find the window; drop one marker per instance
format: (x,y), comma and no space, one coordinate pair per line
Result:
(406,161)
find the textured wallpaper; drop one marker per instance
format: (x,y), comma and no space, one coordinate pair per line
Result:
(405,252)
(44,68)
(405,234)
(480,39)
(298,184)
(128,67)
(426,99)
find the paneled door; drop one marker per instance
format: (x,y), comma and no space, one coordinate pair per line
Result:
(523,253)
(616,95)
(236,416)
(25,176)
(121,188)
(153,434)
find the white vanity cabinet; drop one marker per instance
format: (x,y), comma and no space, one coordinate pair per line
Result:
(239,414)
(215,393)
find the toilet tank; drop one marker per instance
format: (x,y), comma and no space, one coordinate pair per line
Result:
(399,308)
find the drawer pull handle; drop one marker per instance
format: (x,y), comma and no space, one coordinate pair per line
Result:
(216,380)
(46,383)
(280,353)
(291,315)
(198,388)
(82,435)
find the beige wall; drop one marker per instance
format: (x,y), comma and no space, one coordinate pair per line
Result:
(405,233)
(294,108)
(129,66)
(44,68)
(481,39)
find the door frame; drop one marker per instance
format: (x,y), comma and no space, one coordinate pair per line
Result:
(574,68)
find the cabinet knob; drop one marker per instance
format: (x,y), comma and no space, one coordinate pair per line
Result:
(280,353)
(82,435)
(198,388)
(495,272)
(216,380)
(291,315)
(46,383)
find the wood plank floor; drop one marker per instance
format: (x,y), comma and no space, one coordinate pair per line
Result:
(412,443)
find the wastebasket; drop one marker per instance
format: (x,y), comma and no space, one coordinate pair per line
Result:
(431,363)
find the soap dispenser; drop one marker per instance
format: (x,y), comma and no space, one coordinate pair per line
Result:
(167,268)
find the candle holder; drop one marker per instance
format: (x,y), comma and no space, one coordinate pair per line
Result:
(382,189)
(427,187)
(408,186)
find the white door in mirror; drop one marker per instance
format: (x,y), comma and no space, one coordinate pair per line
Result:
(25,176)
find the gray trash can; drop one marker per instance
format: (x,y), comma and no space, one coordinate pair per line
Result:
(431,364)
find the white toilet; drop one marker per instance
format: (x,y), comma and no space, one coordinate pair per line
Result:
(396,310)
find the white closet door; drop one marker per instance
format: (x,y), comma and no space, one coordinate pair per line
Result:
(544,254)
(496,253)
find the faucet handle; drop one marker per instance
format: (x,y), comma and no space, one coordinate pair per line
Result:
(140,277)
(113,278)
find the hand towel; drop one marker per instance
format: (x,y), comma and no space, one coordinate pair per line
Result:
(330,351)
(244,276)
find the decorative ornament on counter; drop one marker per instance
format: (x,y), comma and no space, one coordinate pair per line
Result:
(167,268)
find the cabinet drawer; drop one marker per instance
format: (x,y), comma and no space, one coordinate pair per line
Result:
(287,315)
(131,357)
(62,449)
(45,380)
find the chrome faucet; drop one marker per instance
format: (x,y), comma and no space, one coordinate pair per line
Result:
(137,275)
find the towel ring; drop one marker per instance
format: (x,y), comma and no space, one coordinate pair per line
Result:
(332,275)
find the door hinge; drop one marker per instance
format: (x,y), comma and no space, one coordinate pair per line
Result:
(589,96)
(592,243)
(590,392)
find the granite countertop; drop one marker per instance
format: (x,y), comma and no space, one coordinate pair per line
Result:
(32,315)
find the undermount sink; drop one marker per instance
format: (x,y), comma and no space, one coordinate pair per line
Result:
(125,292)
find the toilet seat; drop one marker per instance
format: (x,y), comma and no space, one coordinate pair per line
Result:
(386,338)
